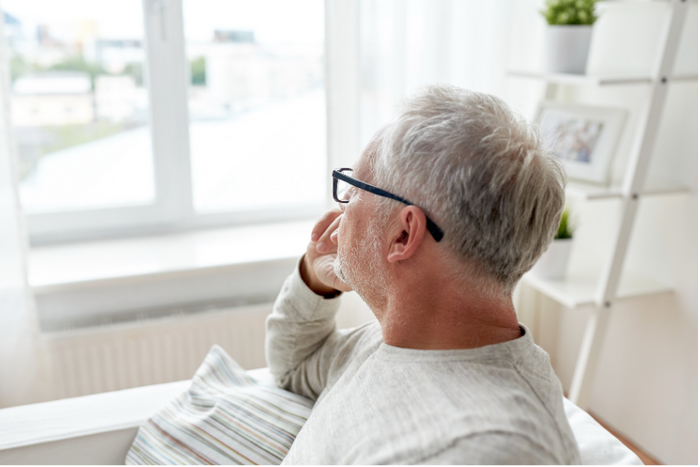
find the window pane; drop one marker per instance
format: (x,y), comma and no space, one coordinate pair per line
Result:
(256,102)
(78,103)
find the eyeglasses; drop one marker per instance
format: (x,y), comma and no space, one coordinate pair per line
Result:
(343,182)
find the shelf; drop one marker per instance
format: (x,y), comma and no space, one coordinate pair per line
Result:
(586,287)
(580,289)
(570,78)
(685,78)
(591,191)
(665,188)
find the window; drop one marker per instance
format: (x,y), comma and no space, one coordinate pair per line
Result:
(158,114)
(71,139)
(256,101)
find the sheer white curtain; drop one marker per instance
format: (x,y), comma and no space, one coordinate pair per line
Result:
(405,44)
(19,353)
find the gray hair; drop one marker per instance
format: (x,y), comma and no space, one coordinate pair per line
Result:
(481,172)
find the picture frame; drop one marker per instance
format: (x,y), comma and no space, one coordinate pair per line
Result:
(584,138)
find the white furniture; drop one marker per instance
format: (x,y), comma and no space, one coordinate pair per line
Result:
(603,290)
(99,429)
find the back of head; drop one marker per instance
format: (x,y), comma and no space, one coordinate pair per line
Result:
(481,173)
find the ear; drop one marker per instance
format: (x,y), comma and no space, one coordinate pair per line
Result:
(410,234)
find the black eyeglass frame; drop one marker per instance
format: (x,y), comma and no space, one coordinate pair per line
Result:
(338,174)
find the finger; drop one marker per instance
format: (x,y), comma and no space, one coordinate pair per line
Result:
(338,284)
(325,245)
(325,271)
(323,223)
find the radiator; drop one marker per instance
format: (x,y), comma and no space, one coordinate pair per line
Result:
(108,358)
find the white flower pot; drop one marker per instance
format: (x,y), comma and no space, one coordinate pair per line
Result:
(552,264)
(567,48)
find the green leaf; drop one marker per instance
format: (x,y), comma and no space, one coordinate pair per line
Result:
(565,229)
(569,12)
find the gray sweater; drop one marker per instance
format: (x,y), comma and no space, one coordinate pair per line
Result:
(379,404)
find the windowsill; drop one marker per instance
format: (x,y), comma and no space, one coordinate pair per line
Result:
(106,277)
(71,266)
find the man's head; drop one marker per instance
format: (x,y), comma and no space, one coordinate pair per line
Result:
(477,170)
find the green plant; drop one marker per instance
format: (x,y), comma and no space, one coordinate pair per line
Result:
(566,230)
(570,12)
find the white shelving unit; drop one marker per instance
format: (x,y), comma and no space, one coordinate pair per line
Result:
(567,78)
(580,289)
(603,289)
(588,191)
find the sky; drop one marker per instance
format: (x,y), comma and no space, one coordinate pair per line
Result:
(273,21)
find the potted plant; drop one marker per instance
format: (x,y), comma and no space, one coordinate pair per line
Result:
(568,34)
(552,264)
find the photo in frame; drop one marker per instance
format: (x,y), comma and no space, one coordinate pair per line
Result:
(584,138)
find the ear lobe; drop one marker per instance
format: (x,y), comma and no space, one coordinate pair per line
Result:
(407,241)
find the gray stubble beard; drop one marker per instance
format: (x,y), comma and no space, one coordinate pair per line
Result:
(338,270)
(360,269)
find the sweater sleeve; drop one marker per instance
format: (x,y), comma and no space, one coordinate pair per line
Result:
(493,448)
(302,346)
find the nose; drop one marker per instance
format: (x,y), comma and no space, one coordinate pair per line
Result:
(334,235)
(342,206)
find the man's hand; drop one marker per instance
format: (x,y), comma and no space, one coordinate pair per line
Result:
(317,265)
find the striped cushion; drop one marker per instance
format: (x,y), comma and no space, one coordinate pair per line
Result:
(225,417)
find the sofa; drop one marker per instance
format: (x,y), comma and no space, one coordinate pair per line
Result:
(99,429)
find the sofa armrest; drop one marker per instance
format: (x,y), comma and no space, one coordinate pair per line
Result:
(95,429)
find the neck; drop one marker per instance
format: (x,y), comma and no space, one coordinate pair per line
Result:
(434,312)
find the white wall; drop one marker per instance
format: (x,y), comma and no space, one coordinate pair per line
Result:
(407,44)
(646,385)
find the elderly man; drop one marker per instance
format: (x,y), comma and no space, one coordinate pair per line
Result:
(443,213)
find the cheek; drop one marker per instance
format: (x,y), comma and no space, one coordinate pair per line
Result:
(335,236)
(350,227)
(343,230)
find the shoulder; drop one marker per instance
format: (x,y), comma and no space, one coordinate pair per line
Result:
(358,341)
(495,405)
(352,345)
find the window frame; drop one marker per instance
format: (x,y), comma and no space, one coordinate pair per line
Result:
(166,76)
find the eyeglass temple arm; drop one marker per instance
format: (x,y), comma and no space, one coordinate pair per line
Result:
(432,227)
(434,230)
